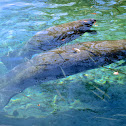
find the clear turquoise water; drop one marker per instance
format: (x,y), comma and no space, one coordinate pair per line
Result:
(20,20)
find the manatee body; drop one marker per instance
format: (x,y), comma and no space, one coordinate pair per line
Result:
(56,36)
(55,63)
(48,39)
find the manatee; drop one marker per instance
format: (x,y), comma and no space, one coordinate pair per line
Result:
(48,39)
(60,62)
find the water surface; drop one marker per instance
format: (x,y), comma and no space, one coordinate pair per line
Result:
(89,101)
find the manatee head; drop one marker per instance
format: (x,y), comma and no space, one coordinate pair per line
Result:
(86,24)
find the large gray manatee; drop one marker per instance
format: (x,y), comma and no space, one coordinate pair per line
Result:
(60,62)
(48,39)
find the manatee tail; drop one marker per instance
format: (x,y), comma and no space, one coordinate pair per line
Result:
(11,60)
(3,99)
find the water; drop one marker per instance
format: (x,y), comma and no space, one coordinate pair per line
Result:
(20,20)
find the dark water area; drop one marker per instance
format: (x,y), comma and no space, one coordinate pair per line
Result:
(93,97)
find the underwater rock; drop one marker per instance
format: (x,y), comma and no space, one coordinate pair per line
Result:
(48,39)
(58,63)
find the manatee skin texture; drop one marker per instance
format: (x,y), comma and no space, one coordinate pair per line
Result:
(50,65)
(56,36)
(47,39)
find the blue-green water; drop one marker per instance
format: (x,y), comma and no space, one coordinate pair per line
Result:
(89,98)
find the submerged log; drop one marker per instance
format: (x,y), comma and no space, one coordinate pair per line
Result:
(48,39)
(58,63)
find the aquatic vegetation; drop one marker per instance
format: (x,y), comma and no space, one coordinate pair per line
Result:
(89,90)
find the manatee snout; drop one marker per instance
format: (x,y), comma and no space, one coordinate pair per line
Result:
(89,22)
(93,20)
(86,25)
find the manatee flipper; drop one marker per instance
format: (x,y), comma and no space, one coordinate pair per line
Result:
(93,32)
